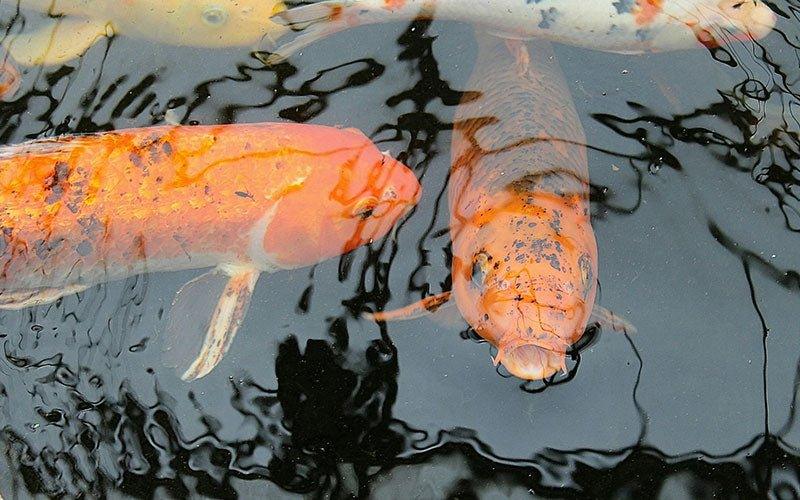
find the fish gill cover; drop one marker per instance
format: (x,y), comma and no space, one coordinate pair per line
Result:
(696,207)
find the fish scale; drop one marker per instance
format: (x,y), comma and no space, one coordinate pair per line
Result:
(510,127)
(120,196)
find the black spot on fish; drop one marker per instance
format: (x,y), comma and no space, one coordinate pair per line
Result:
(555,223)
(244,194)
(84,248)
(155,153)
(539,245)
(5,239)
(585,265)
(167,148)
(643,35)
(549,17)
(55,183)
(90,225)
(623,7)
(43,248)
(137,161)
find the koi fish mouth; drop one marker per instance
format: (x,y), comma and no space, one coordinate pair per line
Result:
(753,21)
(530,361)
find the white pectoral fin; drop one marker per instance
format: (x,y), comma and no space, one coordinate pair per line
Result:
(610,321)
(20,299)
(205,316)
(63,40)
(508,35)
(313,22)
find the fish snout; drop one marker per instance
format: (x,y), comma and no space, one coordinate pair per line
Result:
(760,20)
(403,188)
(531,362)
(751,20)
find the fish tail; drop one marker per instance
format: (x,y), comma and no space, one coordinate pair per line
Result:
(316,21)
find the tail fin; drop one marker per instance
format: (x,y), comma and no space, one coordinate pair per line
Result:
(10,77)
(315,21)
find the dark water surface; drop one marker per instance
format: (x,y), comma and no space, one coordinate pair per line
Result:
(695,166)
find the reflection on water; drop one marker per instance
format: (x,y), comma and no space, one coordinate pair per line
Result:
(696,207)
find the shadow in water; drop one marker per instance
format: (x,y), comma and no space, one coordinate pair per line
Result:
(328,429)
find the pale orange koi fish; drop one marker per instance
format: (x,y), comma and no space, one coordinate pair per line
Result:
(524,266)
(73,26)
(243,199)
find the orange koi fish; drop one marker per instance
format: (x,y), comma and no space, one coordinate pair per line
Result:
(524,254)
(244,199)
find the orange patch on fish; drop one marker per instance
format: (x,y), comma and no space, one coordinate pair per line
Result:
(646,11)
(393,4)
(336,12)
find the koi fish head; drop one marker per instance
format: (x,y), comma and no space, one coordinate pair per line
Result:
(353,195)
(714,23)
(524,278)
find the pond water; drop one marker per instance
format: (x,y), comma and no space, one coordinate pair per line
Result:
(693,158)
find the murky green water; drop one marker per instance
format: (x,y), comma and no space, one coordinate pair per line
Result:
(696,209)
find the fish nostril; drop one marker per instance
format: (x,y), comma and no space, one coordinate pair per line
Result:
(215,16)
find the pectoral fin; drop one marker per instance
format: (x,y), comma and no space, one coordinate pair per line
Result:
(610,321)
(63,40)
(437,307)
(212,305)
(20,299)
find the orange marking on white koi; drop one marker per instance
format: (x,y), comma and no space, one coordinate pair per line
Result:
(646,11)
(393,4)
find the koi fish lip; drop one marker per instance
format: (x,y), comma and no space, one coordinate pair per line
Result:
(531,361)
(756,26)
(707,39)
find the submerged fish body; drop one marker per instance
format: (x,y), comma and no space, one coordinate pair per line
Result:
(626,26)
(245,199)
(78,24)
(524,253)
(524,271)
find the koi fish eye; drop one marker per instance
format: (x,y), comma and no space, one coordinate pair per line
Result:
(215,16)
(480,268)
(365,207)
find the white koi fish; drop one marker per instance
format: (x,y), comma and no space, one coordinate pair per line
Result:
(624,26)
